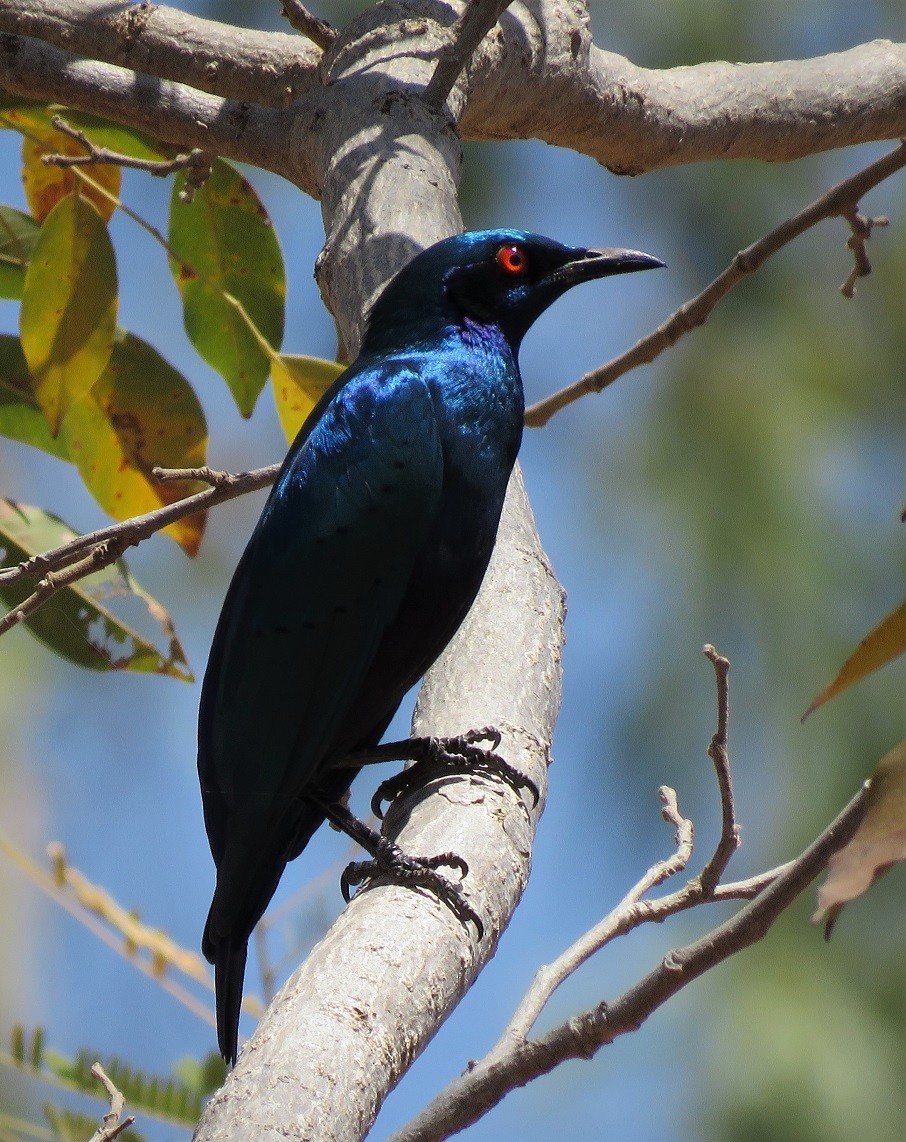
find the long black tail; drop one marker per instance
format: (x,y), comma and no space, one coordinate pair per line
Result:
(229,972)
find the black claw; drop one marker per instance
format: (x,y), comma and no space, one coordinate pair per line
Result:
(454,754)
(418,872)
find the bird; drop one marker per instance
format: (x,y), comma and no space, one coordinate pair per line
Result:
(368,554)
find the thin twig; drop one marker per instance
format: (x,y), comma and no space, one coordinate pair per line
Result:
(115,941)
(840,200)
(316,29)
(112,1127)
(861,231)
(197,163)
(628,914)
(468,32)
(108,544)
(729,839)
(485,1084)
(99,188)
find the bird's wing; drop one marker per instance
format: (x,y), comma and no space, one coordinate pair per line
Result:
(321,579)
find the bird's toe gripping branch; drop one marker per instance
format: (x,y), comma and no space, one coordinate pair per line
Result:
(388,859)
(433,757)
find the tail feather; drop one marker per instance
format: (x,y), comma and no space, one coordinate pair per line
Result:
(229,973)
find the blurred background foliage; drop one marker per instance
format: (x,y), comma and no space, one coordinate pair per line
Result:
(743,491)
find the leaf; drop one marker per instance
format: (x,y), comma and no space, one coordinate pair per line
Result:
(77,622)
(21,417)
(227,245)
(141,413)
(882,645)
(299,383)
(879,841)
(69,304)
(45,184)
(36,119)
(18,234)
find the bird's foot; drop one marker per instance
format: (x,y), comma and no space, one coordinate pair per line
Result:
(389,860)
(460,754)
(421,872)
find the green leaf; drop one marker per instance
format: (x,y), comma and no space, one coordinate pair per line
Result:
(77,622)
(141,413)
(299,383)
(226,244)
(21,417)
(18,234)
(69,304)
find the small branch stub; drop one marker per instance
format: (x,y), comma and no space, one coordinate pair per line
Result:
(113,1126)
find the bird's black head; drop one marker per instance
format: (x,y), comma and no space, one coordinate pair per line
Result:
(505,278)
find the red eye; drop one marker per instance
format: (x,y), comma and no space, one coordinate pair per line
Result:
(512,260)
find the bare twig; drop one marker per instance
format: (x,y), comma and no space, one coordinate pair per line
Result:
(485,1084)
(728,842)
(840,201)
(468,32)
(196,164)
(70,902)
(628,914)
(317,30)
(861,231)
(112,1127)
(108,544)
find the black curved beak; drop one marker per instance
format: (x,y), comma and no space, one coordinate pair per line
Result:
(590,264)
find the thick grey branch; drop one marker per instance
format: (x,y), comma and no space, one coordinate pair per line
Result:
(271,68)
(168,111)
(539,76)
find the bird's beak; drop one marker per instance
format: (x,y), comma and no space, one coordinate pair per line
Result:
(590,264)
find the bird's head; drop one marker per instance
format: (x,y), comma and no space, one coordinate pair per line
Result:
(505,278)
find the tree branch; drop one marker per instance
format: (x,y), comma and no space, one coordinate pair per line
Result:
(299,17)
(466,1099)
(471,28)
(840,201)
(168,111)
(270,68)
(541,77)
(97,549)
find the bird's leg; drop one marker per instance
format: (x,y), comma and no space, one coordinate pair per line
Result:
(388,858)
(460,754)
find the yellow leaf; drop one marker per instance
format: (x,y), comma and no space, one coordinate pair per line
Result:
(69,302)
(142,413)
(884,643)
(46,185)
(299,383)
(878,843)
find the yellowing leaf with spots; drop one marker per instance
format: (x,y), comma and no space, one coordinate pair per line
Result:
(141,414)
(880,646)
(299,383)
(79,622)
(225,244)
(69,304)
(46,185)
